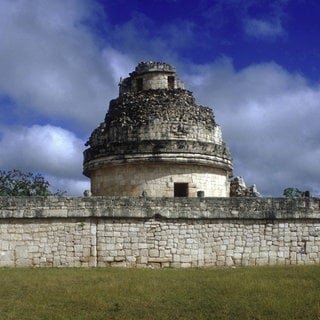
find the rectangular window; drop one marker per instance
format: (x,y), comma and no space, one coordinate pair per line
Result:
(170,82)
(181,189)
(139,84)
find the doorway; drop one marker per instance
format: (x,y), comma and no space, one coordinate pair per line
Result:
(170,82)
(181,189)
(139,84)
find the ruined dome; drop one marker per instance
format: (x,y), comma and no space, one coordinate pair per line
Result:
(155,139)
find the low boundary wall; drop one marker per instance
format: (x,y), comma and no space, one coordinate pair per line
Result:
(158,232)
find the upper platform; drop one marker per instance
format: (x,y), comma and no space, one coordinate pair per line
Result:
(151,75)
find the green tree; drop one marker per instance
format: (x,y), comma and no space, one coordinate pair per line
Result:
(292,193)
(18,183)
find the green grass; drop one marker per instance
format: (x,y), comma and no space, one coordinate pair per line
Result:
(110,293)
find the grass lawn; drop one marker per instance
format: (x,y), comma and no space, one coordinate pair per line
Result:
(291,292)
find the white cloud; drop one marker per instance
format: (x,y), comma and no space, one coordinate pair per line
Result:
(119,64)
(51,64)
(52,151)
(73,187)
(263,29)
(269,118)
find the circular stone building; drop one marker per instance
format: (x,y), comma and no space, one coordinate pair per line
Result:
(156,141)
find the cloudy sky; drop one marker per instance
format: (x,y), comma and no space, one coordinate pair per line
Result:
(256,63)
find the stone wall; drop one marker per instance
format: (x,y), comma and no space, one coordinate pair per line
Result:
(154,81)
(155,121)
(158,232)
(151,75)
(156,114)
(158,180)
(154,129)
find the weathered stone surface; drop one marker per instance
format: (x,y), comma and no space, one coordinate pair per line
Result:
(158,232)
(238,188)
(157,126)
(160,208)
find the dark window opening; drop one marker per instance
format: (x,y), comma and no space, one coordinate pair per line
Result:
(170,82)
(139,84)
(180,189)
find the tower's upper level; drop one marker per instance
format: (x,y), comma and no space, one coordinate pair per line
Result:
(155,119)
(151,75)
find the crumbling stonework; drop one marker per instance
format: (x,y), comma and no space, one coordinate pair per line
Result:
(154,136)
(158,232)
(238,188)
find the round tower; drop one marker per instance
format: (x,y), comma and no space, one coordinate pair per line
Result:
(155,140)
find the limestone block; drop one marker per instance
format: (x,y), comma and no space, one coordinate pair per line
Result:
(142,259)
(229,261)
(154,253)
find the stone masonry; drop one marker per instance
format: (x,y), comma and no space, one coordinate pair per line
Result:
(156,140)
(158,232)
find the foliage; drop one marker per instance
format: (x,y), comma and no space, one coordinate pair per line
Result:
(18,183)
(292,193)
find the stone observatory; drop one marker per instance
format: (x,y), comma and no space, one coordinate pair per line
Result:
(156,141)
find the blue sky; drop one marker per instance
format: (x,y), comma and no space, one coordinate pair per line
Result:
(256,63)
